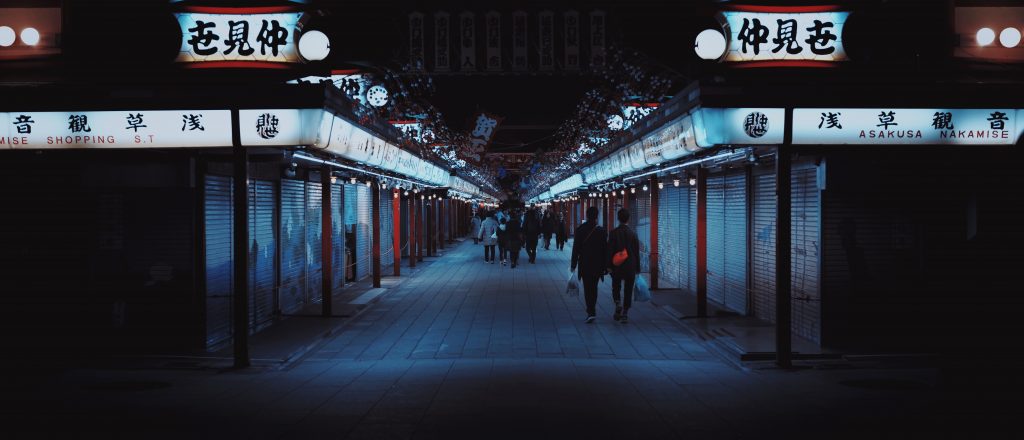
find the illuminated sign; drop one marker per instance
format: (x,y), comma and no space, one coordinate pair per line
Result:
(893,126)
(740,126)
(212,39)
(280,127)
(116,129)
(784,35)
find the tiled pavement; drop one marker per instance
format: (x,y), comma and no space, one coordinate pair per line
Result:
(468,350)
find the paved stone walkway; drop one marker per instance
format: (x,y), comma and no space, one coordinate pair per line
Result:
(467,350)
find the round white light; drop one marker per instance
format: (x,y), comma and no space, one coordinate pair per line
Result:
(7,36)
(985,36)
(710,44)
(377,96)
(615,122)
(30,36)
(1009,37)
(314,45)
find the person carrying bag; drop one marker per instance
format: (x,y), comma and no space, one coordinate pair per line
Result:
(624,264)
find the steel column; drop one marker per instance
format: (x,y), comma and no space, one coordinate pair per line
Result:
(702,242)
(240,293)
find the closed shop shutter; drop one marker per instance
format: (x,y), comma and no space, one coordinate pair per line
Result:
(716,238)
(643,228)
(292,291)
(671,239)
(763,247)
(218,219)
(263,246)
(338,261)
(736,242)
(806,239)
(363,231)
(314,245)
(404,213)
(691,260)
(387,238)
(351,219)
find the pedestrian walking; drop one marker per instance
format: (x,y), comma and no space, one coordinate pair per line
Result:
(489,237)
(560,232)
(514,234)
(590,254)
(531,232)
(547,227)
(503,240)
(624,265)
(475,228)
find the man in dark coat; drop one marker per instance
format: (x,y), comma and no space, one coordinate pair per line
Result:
(590,253)
(531,230)
(623,238)
(560,232)
(547,227)
(514,237)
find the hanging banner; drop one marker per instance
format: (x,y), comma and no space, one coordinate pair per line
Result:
(546,43)
(116,129)
(442,44)
(209,40)
(483,131)
(572,40)
(493,24)
(784,37)
(896,126)
(519,41)
(597,40)
(467,41)
(416,42)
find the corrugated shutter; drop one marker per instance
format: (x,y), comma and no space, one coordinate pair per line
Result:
(387,237)
(314,244)
(218,219)
(292,292)
(337,238)
(736,242)
(262,247)
(404,213)
(691,261)
(806,239)
(351,219)
(364,231)
(763,247)
(716,238)
(643,228)
(672,239)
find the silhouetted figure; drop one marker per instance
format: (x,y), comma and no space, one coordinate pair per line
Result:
(531,229)
(560,232)
(590,254)
(623,238)
(475,228)
(547,227)
(489,237)
(515,239)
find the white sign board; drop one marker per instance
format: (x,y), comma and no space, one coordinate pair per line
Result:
(280,127)
(116,129)
(271,38)
(740,126)
(899,126)
(784,36)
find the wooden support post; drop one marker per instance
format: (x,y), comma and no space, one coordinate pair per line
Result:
(655,199)
(702,242)
(240,293)
(783,255)
(326,242)
(396,229)
(375,212)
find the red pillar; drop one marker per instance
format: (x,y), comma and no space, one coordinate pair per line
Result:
(655,199)
(396,229)
(702,242)
(375,210)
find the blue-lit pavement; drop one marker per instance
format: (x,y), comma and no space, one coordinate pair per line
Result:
(464,349)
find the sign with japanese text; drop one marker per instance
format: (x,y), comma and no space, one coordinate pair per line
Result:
(483,130)
(740,126)
(442,52)
(281,127)
(116,129)
(519,39)
(269,38)
(786,37)
(894,126)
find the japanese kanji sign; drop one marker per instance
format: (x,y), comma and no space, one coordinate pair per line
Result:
(116,129)
(895,126)
(483,130)
(269,38)
(784,36)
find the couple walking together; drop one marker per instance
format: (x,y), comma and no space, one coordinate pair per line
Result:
(598,253)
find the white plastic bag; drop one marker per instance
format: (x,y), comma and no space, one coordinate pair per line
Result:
(573,288)
(641,291)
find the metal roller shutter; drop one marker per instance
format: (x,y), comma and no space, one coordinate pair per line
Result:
(314,244)
(806,223)
(736,242)
(263,246)
(387,238)
(404,213)
(337,238)
(763,247)
(351,220)
(716,238)
(291,294)
(671,239)
(643,228)
(218,219)
(363,231)
(691,259)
